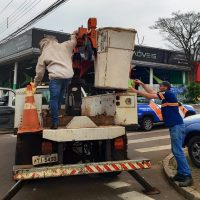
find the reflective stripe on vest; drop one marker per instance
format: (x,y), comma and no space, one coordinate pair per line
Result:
(169,104)
(161,95)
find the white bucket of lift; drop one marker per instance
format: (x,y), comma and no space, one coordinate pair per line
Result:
(114,55)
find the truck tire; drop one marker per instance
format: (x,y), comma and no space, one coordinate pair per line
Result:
(194,150)
(147,123)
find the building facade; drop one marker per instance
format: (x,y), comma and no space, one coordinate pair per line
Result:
(153,65)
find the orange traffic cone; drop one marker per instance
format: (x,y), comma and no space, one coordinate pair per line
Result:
(30,121)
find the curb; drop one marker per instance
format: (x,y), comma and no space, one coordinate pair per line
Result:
(188,192)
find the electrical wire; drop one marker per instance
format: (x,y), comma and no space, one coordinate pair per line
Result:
(24,8)
(33,4)
(3,9)
(12,25)
(19,9)
(22,5)
(34,20)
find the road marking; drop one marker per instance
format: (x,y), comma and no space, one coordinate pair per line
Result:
(148,139)
(135,133)
(13,135)
(149,149)
(145,132)
(134,196)
(117,184)
(6,135)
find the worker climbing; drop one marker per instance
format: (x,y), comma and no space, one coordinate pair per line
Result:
(57,58)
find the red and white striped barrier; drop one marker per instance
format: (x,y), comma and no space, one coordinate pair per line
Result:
(79,169)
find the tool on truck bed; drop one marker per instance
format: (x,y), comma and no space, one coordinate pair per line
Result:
(94,141)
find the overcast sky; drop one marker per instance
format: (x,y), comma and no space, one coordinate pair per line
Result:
(137,14)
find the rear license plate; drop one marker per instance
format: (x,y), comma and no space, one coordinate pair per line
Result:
(42,159)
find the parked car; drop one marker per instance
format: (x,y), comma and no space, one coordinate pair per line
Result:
(6,108)
(149,112)
(192,138)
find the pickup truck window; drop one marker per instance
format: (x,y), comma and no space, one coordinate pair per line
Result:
(142,100)
(4,97)
(45,95)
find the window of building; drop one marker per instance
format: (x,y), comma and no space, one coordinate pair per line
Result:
(173,76)
(141,73)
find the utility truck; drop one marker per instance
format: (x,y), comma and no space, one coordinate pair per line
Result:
(91,138)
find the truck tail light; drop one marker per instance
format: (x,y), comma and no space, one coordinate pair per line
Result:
(47,148)
(119,143)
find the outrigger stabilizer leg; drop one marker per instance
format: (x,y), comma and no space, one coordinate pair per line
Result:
(13,191)
(148,189)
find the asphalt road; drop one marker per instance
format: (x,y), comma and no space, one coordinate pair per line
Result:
(154,145)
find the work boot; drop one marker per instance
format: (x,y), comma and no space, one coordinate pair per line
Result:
(187,182)
(178,177)
(54,126)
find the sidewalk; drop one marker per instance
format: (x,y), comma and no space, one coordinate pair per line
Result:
(191,193)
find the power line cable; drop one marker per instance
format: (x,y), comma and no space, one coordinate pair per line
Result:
(3,9)
(18,17)
(21,7)
(14,18)
(34,20)
(31,6)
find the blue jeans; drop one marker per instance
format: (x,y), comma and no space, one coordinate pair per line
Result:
(57,88)
(177,134)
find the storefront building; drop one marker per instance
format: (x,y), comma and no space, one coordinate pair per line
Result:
(152,65)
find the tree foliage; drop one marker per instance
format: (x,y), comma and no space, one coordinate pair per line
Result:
(183,31)
(193,93)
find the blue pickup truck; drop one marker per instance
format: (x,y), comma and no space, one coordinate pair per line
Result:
(149,112)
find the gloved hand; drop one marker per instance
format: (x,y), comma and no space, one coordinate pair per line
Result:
(34,87)
(130,83)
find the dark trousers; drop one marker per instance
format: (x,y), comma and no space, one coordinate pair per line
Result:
(177,134)
(57,88)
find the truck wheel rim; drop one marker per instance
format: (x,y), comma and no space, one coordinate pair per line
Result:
(196,151)
(147,124)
